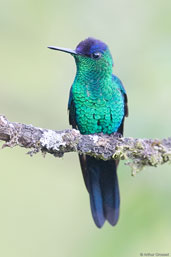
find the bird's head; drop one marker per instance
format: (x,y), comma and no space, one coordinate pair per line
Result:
(90,55)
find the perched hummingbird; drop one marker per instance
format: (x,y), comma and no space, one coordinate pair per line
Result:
(97,103)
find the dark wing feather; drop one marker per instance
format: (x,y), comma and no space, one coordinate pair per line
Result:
(123,91)
(71,109)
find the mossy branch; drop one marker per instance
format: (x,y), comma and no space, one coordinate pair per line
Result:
(138,153)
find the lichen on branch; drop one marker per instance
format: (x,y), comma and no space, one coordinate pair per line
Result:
(138,153)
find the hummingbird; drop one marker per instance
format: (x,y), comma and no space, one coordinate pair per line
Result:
(97,104)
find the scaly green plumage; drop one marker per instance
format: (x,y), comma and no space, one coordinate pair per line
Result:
(98,101)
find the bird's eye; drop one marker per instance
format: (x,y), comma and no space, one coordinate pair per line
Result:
(96,55)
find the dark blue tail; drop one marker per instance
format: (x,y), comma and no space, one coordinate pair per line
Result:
(102,184)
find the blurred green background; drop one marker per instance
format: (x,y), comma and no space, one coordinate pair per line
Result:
(44,206)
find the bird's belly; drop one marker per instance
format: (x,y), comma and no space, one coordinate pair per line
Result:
(96,119)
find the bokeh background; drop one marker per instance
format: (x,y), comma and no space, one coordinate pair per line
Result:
(44,206)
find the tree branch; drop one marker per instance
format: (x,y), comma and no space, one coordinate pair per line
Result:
(138,153)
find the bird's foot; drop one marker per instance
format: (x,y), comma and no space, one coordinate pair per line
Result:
(117,134)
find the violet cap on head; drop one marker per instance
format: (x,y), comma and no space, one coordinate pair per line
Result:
(85,47)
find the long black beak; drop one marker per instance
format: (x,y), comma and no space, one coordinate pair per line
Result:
(66,50)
